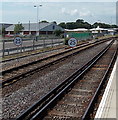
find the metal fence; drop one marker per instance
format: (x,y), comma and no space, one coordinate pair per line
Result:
(9,48)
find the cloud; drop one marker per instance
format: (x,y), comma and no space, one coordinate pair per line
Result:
(21,1)
(58,0)
(73,12)
(58,11)
(84,12)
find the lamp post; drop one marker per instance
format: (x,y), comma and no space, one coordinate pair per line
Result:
(37,26)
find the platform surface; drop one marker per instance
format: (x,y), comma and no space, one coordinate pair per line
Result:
(108,107)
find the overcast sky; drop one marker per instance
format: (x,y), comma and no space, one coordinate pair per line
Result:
(58,10)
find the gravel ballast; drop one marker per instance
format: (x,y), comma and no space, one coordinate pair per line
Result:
(19,96)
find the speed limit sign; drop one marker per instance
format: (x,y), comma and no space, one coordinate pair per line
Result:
(18,41)
(72,42)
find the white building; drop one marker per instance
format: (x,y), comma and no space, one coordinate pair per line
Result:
(98,30)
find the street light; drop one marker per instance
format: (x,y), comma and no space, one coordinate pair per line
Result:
(37,26)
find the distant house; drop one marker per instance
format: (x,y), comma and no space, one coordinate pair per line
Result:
(116,30)
(99,30)
(33,28)
(111,31)
(4,25)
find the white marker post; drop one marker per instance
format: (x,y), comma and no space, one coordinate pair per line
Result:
(18,42)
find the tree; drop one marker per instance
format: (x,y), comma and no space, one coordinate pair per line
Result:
(44,21)
(62,24)
(104,25)
(74,25)
(80,21)
(71,25)
(18,28)
(58,32)
(54,22)
(114,26)
(3,31)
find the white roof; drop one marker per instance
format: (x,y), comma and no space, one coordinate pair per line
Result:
(110,30)
(26,26)
(36,27)
(96,29)
(75,30)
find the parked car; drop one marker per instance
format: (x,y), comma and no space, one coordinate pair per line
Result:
(9,36)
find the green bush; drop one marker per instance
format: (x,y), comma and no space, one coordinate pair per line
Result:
(58,32)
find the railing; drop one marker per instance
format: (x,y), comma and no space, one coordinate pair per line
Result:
(32,46)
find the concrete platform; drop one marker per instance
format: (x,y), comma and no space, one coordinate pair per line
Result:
(108,108)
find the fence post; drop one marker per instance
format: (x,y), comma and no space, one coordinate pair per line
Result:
(3,52)
(21,48)
(59,41)
(8,51)
(52,42)
(43,43)
(34,42)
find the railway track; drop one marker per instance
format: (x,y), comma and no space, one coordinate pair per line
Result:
(75,97)
(32,54)
(12,75)
(18,61)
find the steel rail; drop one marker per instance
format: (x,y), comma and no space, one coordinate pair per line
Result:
(37,53)
(51,98)
(34,62)
(91,105)
(7,60)
(11,80)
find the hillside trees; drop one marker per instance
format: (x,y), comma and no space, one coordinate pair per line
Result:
(80,23)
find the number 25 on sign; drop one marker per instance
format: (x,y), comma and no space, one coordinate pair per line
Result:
(72,42)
